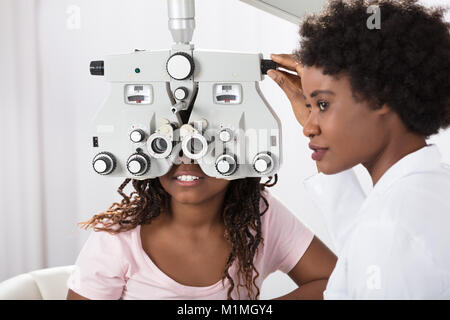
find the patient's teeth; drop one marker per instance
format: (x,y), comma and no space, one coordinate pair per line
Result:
(187,178)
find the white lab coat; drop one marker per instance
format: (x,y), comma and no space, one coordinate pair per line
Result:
(395,242)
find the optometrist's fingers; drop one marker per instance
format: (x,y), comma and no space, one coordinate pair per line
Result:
(294,78)
(289,83)
(288,61)
(291,86)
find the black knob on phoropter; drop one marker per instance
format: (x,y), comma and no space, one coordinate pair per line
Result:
(267,64)
(104,163)
(97,68)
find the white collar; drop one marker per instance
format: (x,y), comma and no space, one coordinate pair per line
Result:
(422,160)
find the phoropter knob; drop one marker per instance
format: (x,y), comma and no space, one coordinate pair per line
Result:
(225,135)
(267,64)
(226,164)
(97,68)
(138,164)
(104,163)
(263,163)
(180,66)
(181,93)
(137,135)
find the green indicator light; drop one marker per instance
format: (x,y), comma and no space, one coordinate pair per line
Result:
(137,70)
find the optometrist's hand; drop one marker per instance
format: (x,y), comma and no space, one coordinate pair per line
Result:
(291,84)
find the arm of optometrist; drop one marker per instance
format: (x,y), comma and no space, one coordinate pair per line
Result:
(311,272)
(72,295)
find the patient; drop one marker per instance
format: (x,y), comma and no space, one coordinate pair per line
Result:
(186,235)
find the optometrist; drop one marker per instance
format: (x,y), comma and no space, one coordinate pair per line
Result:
(373,97)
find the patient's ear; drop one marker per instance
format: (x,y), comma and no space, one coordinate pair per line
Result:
(383,110)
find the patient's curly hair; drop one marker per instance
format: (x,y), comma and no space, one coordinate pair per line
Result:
(241,216)
(405,63)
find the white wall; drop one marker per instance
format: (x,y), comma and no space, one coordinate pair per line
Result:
(70,97)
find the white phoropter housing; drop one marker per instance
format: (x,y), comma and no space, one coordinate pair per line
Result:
(204,105)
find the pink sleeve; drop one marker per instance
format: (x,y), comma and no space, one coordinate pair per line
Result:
(100,271)
(286,238)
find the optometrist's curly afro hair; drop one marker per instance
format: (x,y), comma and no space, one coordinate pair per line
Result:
(405,63)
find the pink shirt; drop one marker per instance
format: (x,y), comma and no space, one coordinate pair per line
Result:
(116,266)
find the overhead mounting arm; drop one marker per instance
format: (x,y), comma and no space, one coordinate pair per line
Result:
(290,10)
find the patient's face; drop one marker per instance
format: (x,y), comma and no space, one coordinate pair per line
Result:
(192,192)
